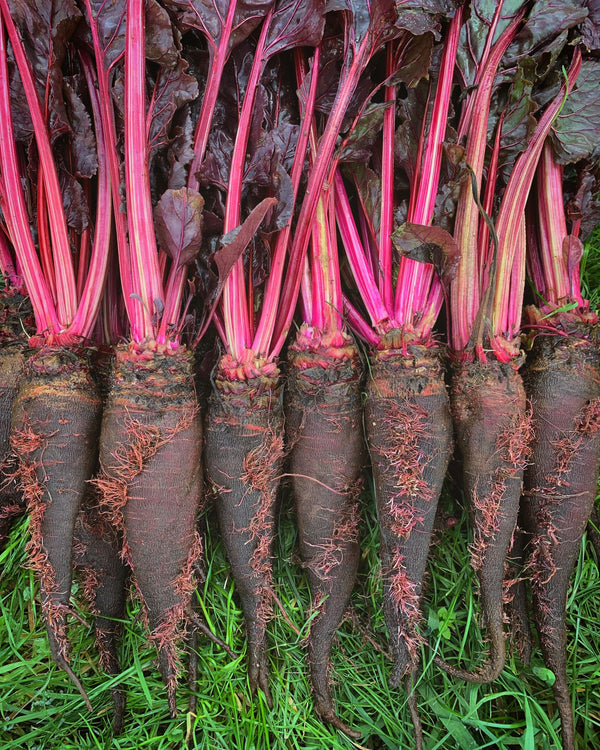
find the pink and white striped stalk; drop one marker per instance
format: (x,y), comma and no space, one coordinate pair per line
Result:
(93,288)
(145,271)
(235,301)
(465,291)
(217,59)
(64,275)
(103,71)
(386,227)
(552,229)
(14,209)
(361,270)
(323,169)
(262,343)
(358,324)
(419,294)
(506,306)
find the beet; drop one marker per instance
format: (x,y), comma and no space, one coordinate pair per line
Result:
(409,434)
(563,385)
(244,451)
(150,480)
(493,431)
(54,434)
(324,429)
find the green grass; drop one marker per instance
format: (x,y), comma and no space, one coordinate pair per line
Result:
(40,709)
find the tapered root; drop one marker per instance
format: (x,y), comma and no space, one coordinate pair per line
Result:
(323,413)
(244,452)
(563,383)
(493,429)
(150,483)
(409,435)
(54,435)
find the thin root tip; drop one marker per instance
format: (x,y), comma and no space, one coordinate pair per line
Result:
(172,704)
(75,680)
(258,672)
(352,733)
(261,683)
(325,709)
(118,723)
(488,672)
(332,718)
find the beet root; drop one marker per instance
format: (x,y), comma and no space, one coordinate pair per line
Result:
(244,451)
(493,430)
(563,384)
(97,555)
(54,434)
(324,428)
(150,483)
(517,606)
(409,435)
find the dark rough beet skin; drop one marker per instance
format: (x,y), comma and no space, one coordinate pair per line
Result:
(409,435)
(244,450)
(150,480)
(563,384)
(97,555)
(324,429)
(55,425)
(517,606)
(493,434)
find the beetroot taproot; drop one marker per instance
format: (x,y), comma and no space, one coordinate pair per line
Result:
(409,434)
(244,452)
(563,385)
(493,430)
(324,430)
(150,480)
(54,434)
(97,557)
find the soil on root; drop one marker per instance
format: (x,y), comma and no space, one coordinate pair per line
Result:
(493,432)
